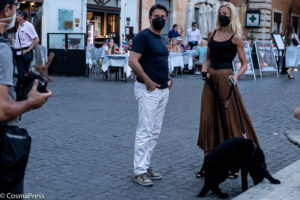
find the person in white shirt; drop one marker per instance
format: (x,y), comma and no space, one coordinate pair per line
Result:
(193,36)
(26,39)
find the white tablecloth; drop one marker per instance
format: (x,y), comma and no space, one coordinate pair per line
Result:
(188,58)
(175,60)
(115,60)
(88,60)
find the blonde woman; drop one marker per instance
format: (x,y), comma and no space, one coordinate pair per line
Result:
(174,47)
(217,123)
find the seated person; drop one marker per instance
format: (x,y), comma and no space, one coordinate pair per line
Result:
(201,54)
(174,47)
(109,48)
(180,44)
(129,45)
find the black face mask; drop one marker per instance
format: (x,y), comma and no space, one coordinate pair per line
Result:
(158,23)
(224,20)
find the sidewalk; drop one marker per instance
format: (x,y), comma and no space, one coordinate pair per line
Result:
(289,189)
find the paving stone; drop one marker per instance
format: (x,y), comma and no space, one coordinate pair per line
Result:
(83,138)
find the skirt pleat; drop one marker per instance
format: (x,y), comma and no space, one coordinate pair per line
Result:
(217,123)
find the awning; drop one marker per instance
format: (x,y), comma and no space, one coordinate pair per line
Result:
(107,9)
(37,1)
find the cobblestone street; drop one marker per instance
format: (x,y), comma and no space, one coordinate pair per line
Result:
(83,138)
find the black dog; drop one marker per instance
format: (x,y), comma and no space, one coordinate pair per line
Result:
(234,154)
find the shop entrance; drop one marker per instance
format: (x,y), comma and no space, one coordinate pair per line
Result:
(34,8)
(102,24)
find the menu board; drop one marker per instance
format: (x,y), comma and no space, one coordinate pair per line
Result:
(237,63)
(265,56)
(278,41)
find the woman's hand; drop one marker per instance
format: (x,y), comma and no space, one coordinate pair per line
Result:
(235,78)
(205,76)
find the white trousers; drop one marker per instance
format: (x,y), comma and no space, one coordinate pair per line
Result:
(151,110)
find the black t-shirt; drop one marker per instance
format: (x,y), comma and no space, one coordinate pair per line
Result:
(154,59)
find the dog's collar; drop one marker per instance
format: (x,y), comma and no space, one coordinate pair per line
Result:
(254,149)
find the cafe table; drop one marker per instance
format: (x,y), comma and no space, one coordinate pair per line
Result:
(119,61)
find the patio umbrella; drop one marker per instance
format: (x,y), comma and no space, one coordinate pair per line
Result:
(208,13)
(214,13)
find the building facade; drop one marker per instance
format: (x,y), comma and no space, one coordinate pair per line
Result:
(176,14)
(68,16)
(275,15)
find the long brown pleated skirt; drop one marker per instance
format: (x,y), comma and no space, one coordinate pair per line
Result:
(217,123)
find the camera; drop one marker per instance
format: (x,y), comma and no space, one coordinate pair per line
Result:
(25,83)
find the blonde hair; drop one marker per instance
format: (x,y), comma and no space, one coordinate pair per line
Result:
(235,24)
(203,43)
(172,40)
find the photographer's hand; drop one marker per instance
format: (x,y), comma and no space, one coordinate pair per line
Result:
(37,99)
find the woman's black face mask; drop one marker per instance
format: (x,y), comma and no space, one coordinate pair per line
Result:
(158,23)
(224,20)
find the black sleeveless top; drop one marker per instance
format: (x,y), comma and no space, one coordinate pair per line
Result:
(221,53)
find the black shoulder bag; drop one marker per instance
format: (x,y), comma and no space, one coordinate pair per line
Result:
(295,42)
(14,150)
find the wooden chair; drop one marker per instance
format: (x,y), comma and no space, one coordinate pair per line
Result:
(43,68)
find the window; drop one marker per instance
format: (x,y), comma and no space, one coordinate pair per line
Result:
(277,21)
(112,22)
(295,23)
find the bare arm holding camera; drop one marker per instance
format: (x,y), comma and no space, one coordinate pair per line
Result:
(10,109)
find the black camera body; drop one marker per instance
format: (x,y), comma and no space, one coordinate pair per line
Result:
(25,83)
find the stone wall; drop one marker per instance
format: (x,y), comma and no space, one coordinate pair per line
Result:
(179,14)
(286,8)
(265,7)
(145,12)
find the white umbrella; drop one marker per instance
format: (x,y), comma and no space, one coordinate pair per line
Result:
(202,19)
(208,13)
(214,13)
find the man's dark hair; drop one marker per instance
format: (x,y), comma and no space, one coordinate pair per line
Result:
(23,13)
(194,23)
(158,6)
(174,26)
(3,3)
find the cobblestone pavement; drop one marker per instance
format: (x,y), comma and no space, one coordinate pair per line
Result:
(83,138)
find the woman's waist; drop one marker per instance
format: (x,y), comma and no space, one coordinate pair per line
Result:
(221,65)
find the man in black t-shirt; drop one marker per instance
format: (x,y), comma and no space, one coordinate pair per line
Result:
(149,61)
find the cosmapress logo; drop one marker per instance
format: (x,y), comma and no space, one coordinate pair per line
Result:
(21,196)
